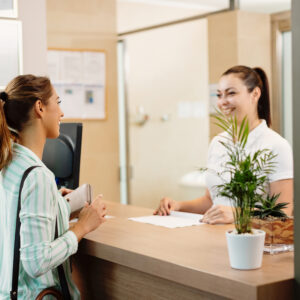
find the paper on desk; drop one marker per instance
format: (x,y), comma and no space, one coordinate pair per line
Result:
(174,220)
(76,219)
(109,217)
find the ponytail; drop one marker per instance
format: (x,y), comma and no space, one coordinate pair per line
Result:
(15,106)
(5,142)
(253,78)
(263,106)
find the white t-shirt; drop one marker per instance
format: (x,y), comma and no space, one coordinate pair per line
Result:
(261,137)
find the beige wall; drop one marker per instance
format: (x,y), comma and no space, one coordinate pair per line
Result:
(91,24)
(136,15)
(238,38)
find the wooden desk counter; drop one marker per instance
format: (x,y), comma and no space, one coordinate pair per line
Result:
(124,259)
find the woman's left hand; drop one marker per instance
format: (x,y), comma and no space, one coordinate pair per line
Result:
(218,214)
(65,191)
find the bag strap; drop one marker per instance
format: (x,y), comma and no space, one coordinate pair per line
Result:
(16,259)
(61,274)
(50,291)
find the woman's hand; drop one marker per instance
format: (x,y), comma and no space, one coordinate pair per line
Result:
(65,191)
(90,217)
(165,206)
(218,214)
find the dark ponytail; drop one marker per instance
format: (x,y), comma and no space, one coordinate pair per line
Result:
(263,106)
(15,106)
(253,78)
(5,143)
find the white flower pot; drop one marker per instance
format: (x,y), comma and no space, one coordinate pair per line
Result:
(245,250)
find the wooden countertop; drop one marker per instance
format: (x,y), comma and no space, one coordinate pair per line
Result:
(193,256)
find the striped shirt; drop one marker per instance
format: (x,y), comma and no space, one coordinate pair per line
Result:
(40,204)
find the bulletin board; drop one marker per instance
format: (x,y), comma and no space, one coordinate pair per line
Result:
(79,78)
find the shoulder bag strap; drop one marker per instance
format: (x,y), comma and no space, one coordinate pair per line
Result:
(16,261)
(61,274)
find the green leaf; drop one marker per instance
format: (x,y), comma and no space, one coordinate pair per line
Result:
(248,175)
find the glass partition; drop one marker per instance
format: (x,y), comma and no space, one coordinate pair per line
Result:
(287,105)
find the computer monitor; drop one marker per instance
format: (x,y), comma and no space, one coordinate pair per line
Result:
(62,155)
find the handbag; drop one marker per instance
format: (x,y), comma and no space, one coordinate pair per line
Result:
(65,294)
(78,197)
(50,291)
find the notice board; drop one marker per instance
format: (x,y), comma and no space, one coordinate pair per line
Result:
(79,77)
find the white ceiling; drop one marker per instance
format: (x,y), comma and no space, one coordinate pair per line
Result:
(187,4)
(136,14)
(267,6)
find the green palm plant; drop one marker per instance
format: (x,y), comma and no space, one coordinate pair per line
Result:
(248,172)
(269,208)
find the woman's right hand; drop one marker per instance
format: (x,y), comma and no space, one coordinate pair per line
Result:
(165,206)
(90,217)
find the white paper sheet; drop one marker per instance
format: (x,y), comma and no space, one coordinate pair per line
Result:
(76,219)
(96,107)
(94,68)
(71,65)
(53,66)
(174,220)
(109,217)
(72,99)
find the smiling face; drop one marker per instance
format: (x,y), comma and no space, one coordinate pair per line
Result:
(52,116)
(234,99)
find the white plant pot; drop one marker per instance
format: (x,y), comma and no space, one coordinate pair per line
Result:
(245,250)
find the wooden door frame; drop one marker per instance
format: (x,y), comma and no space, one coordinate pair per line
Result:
(280,22)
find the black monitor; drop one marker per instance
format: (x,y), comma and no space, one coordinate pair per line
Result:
(62,155)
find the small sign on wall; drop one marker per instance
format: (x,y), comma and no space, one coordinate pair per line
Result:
(213,99)
(79,78)
(191,109)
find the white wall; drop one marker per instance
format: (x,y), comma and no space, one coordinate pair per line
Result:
(32,13)
(167,74)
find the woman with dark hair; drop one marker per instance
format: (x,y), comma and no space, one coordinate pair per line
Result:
(30,113)
(242,91)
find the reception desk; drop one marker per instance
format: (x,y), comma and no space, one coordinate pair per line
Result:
(124,259)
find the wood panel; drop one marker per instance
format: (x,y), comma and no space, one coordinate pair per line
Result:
(194,257)
(114,281)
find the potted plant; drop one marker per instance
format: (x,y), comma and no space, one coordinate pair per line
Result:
(269,217)
(246,187)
